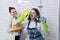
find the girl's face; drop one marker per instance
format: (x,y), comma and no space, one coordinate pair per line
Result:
(33,14)
(13,13)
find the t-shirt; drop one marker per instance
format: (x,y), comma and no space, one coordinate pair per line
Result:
(32,24)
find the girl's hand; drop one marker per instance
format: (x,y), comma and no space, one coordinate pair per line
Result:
(16,23)
(14,29)
(47,33)
(11,30)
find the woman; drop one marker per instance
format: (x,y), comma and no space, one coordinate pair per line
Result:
(33,26)
(13,17)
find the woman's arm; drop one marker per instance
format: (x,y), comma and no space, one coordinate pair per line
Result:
(9,25)
(20,27)
(45,28)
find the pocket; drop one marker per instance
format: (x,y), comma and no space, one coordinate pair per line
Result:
(34,32)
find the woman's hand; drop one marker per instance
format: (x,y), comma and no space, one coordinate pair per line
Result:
(14,29)
(10,30)
(47,33)
(16,23)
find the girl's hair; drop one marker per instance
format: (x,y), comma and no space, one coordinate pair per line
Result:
(38,14)
(10,8)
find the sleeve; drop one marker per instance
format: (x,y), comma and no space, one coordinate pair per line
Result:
(9,25)
(24,23)
(39,27)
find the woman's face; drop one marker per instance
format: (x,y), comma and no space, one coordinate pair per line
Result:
(13,13)
(33,14)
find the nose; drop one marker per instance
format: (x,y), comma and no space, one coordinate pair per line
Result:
(31,14)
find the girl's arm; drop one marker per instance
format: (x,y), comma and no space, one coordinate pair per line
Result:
(45,28)
(9,25)
(14,29)
(20,26)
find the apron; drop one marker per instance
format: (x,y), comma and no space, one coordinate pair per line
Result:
(34,33)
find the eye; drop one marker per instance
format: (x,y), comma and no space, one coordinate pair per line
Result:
(12,12)
(33,13)
(15,11)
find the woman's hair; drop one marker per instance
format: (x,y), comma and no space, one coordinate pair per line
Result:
(10,8)
(38,14)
